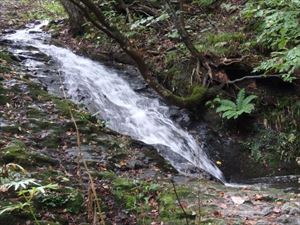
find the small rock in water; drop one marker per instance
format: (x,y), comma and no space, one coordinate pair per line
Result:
(34,32)
(8,31)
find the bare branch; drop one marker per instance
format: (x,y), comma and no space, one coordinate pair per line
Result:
(253,77)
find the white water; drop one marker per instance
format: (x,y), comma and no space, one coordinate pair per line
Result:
(125,111)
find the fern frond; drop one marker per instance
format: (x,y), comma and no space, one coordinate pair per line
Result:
(248,99)
(240,98)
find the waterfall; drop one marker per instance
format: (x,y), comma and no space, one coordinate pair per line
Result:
(143,118)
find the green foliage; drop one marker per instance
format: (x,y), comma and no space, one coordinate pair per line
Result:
(277,28)
(46,9)
(204,3)
(146,22)
(284,62)
(277,141)
(230,109)
(68,198)
(221,44)
(273,147)
(134,194)
(26,188)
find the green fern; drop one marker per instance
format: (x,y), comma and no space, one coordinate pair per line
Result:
(230,109)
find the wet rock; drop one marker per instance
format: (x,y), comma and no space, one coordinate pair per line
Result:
(35,32)
(135,164)
(17,152)
(57,21)
(291,208)
(8,31)
(268,210)
(6,42)
(287,219)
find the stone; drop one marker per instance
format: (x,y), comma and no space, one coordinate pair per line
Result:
(135,164)
(287,219)
(291,209)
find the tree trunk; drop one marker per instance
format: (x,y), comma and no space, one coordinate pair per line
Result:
(76,19)
(94,14)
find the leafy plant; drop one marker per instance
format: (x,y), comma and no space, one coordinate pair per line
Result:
(285,63)
(148,21)
(277,28)
(26,188)
(230,109)
(204,3)
(47,9)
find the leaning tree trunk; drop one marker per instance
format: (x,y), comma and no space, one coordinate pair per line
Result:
(93,13)
(76,19)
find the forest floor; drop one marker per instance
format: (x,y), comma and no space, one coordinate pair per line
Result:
(132,181)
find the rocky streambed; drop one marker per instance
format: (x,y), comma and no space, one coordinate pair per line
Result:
(133,180)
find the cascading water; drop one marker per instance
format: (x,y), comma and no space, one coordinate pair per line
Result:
(127,112)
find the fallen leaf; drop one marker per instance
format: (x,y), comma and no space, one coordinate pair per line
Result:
(276,210)
(217,214)
(223,206)
(238,200)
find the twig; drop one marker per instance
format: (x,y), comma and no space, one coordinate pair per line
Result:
(253,77)
(227,62)
(92,189)
(179,202)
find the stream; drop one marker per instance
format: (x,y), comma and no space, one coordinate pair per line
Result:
(111,97)
(122,100)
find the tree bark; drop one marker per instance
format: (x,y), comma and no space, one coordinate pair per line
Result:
(76,19)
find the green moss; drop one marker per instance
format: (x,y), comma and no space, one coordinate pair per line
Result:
(38,94)
(222,44)
(17,152)
(4,69)
(106,175)
(68,198)
(7,56)
(51,141)
(35,113)
(195,98)
(3,95)
(46,222)
(169,208)
(123,184)
(15,129)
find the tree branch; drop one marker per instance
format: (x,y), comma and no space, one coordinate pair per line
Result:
(180,26)
(253,77)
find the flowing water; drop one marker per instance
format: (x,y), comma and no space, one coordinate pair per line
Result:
(109,95)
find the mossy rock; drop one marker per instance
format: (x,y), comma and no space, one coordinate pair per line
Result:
(4,69)
(38,94)
(65,106)
(106,175)
(7,56)
(3,95)
(170,210)
(11,219)
(51,141)
(46,222)
(197,95)
(68,199)
(35,113)
(17,152)
(223,44)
